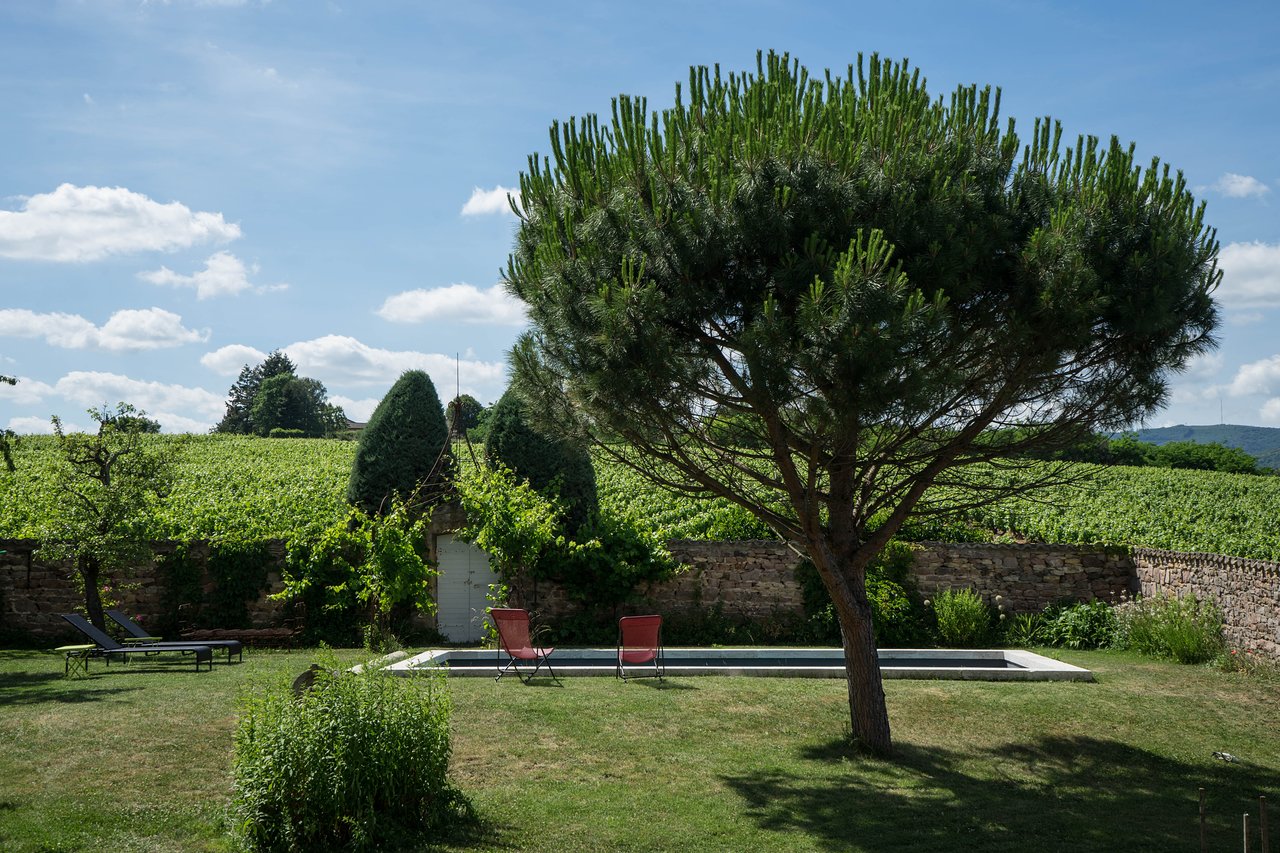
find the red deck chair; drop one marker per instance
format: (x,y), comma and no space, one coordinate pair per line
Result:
(640,644)
(513,638)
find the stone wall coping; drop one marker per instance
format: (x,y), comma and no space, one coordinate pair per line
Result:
(1118,550)
(1265,566)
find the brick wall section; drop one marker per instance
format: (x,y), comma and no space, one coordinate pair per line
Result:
(1027,577)
(1248,591)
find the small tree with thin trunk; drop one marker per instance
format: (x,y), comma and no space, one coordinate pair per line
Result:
(7,436)
(109,483)
(880,290)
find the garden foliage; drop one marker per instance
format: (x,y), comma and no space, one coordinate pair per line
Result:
(527,539)
(963,619)
(357,571)
(1084,625)
(556,467)
(1188,630)
(357,762)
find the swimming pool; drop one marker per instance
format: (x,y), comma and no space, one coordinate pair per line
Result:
(778,662)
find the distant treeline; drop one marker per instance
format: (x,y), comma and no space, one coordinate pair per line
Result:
(1128,449)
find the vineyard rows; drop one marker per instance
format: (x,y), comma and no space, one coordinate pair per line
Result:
(238,488)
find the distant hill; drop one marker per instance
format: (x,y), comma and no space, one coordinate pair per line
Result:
(1262,443)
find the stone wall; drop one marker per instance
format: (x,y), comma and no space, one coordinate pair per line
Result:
(1027,577)
(756,581)
(32,594)
(753,580)
(1248,591)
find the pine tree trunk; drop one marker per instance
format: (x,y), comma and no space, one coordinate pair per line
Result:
(90,573)
(868,714)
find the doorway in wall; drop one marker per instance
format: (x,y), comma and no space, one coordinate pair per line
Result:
(464,581)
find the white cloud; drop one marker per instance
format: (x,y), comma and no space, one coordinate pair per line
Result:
(129,330)
(1258,377)
(462,302)
(342,360)
(223,275)
(90,223)
(488,202)
(27,392)
(1193,385)
(176,407)
(1205,366)
(1250,275)
(228,360)
(38,426)
(1270,411)
(357,410)
(1240,186)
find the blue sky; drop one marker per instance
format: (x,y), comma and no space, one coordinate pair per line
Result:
(186,186)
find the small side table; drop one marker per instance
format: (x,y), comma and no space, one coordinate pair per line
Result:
(77,659)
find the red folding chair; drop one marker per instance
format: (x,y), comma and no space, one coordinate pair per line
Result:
(640,644)
(513,638)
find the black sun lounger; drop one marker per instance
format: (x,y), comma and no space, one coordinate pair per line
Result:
(138,633)
(108,648)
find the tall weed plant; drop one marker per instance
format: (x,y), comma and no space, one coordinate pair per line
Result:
(1189,629)
(357,762)
(963,618)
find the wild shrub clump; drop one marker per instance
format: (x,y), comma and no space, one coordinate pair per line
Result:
(357,762)
(1189,630)
(1086,625)
(963,618)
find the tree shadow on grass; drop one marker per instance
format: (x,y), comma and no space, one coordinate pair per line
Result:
(1055,793)
(39,688)
(665,684)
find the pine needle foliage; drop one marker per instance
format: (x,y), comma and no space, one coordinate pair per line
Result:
(403,447)
(873,279)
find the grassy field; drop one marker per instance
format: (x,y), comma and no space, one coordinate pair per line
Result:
(139,759)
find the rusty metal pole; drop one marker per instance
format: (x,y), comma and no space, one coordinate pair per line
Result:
(1246,832)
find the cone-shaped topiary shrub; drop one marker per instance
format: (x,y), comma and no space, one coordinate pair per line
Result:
(400,446)
(553,466)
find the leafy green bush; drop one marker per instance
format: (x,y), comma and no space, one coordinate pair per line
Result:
(555,467)
(963,618)
(527,537)
(1025,629)
(356,762)
(357,572)
(1188,629)
(1087,625)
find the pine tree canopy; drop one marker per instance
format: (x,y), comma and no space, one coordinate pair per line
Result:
(873,279)
(400,447)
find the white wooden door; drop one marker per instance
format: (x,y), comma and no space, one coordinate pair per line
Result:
(461,588)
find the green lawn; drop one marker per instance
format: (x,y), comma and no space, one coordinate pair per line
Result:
(139,759)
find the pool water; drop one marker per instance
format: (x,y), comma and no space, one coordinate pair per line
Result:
(981,664)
